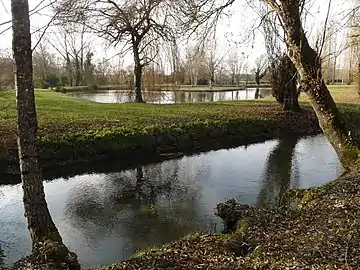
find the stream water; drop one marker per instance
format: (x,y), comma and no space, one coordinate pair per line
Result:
(106,217)
(169,97)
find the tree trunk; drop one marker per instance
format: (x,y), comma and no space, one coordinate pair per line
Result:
(69,69)
(138,68)
(283,81)
(41,227)
(308,64)
(257,93)
(138,76)
(257,77)
(358,77)
(77,71)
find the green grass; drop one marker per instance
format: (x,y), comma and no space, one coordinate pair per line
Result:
(71,128)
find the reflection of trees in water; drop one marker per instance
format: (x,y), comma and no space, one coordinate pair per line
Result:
(149,96)
(257,93)
(2,259)
(125,96)
(147,205)
(278,172)
(180,97)
(262,93)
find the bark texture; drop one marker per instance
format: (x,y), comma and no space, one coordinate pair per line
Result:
(308,64)
(284,83)
(40,224)
(137,75)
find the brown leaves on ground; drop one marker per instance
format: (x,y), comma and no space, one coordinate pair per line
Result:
(322,231)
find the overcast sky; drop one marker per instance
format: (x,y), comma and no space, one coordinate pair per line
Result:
(230,30)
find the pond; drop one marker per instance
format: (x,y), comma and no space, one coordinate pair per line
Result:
(170,97)
(106,217)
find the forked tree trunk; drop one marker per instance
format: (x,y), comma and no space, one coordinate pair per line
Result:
(41,227)
(308,64)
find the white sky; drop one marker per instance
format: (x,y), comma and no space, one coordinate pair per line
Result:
(233,28)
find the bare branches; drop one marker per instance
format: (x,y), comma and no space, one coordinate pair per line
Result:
(45,28)
(36,10)
(325,28)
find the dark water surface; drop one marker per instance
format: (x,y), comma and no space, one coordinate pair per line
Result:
(105,218)
(170,97)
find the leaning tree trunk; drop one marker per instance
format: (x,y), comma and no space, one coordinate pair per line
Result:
(308,64)
(42,228)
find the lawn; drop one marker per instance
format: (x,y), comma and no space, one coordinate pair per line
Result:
(71,128)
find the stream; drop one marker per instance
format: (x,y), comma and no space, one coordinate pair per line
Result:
(107,217)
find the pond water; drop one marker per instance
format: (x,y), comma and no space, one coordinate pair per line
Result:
(106,217)
(170,97)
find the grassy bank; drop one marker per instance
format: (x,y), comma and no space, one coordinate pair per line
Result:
(73,130)
(316,229)
(319,230)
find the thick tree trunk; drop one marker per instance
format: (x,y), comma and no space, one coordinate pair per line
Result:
(42,228)
(137,75)
(257,93)
(308,64)
(257,77)
(284,84)
(358,77)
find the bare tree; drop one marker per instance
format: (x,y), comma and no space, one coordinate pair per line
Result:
(46,240)
(260,70)
(354,44)
(6,67)
(306,60)
(308,64)
(72,43)
(283,73)
(141,27)
(44,66)
(235,62)
(213,61)
(195,64)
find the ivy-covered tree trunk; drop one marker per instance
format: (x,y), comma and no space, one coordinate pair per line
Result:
(308,64)
(284,83)
(40,224)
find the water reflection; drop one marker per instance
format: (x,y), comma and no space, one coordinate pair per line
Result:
(170,97)
(105,218)
(279,169)
(2,259)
